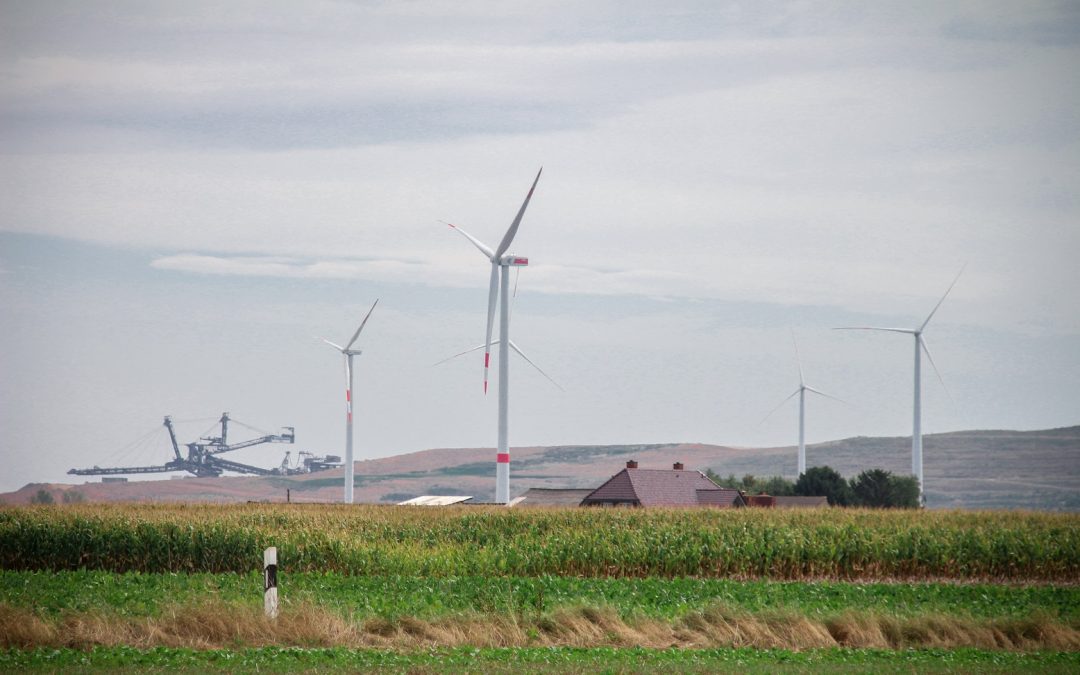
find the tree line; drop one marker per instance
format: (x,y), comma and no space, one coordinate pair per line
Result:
(874,488)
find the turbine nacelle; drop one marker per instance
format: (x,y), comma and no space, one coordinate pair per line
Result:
(513,261)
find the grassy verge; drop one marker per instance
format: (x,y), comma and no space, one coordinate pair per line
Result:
(138,594)
(211,625)
(609,660)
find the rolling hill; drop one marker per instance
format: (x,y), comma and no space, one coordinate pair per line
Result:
(964,469)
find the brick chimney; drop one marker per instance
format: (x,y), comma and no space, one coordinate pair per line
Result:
(678,466)
(631,464)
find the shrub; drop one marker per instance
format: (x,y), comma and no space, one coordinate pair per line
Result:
(824,481)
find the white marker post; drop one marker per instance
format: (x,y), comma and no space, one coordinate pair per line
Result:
(270,600)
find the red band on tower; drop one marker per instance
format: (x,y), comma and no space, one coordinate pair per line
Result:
(503,458)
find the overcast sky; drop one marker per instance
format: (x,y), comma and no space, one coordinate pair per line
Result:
(189,192)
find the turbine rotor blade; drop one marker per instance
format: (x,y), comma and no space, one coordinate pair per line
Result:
(798,359)
(781,405)
(362,323)
(335,346)
(935,309)
(821,393)
(909,331)
(529,361)
(467,351)
(476,242)
(493,296)
(929,357)
(512,232)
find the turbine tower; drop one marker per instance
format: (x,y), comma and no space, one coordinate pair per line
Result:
(348,352)
(501,262)
(920,347)
(801,393)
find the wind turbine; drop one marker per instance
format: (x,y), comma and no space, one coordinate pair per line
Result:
(348,352)
(501,263)
(801,393)
(920,347)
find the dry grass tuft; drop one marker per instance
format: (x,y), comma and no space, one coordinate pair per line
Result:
(718,626)
(220,625)
(863,630)
(21,628)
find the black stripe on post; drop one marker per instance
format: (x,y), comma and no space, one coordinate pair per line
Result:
(269,577)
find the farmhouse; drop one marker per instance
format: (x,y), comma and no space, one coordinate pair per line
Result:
(662,487)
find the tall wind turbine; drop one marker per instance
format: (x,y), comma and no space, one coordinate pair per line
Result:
(801,393)
(920,347)
(501,262)
(348,352)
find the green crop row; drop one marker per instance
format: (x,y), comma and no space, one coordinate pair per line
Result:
(473,541)
(540,659)
(391,597)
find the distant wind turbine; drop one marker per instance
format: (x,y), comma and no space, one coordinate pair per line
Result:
(801,393)
(501,263)
(920,347)
(348,352)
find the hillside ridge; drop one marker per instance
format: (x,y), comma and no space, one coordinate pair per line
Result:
(998,468)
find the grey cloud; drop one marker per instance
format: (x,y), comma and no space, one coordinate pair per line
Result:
(275,77)
(277,127)
(1055,24)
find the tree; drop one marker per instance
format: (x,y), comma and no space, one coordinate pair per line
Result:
(777,485)
(43,496)
(73,497)
(905,492)
(730,482)
(872,488)
(877,488)
(824,481)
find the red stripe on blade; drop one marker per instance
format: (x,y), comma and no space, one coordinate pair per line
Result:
(503,458)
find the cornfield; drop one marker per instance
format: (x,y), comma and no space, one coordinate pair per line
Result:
(474,541)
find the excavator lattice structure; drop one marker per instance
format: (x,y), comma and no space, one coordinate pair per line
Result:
(204,457)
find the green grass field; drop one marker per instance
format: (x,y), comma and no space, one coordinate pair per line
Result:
(393,597)
(599,660)
(178,587)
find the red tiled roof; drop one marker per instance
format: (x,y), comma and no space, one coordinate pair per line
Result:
(662,487)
